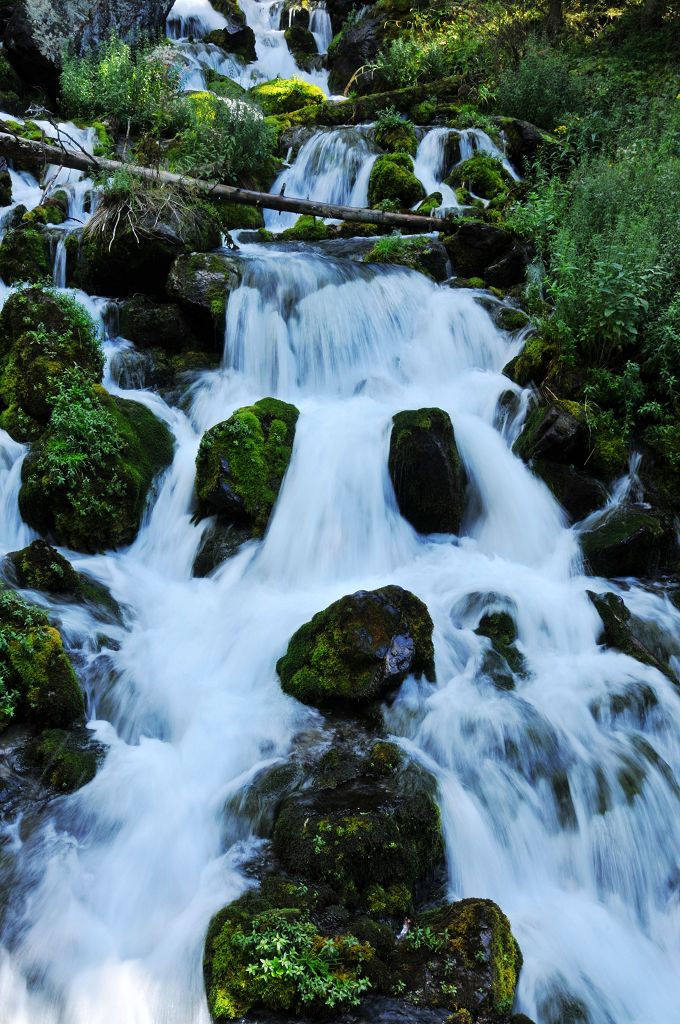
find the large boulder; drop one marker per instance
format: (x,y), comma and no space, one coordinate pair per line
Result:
(355,46)
(152,324)
(37,681)
(426,471)
(482,250)
(25,255)
(117,255)
(86,481)
(241,463)
(44,336)
(202,283)
(359,649)
(284,95)
(38,34)
(392,180)
(630,540)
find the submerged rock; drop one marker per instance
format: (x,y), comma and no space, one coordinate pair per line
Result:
(241,463)
(629,540)
(38,684)
(618,631)
(67,760)
(359,649)
(504,661)
(426,471)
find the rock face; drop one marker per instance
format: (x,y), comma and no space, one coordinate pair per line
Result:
(39,33)
(630,541)
(359,649)
(357,45)
(503,660)
(426,471)
(201,283)
(152,324)
(241,463)
(482,250)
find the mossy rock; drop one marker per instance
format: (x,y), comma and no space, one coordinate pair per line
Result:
(114,261)
(5,188)
(430,204)
(374,838)
(397,138)
(630,541)
(25,256)
(87,479)
(530,365)
(307,229)
(283,95)
(241,462)
(240,41)
(483,175)
(152,324)
(504,661)
(463,956)
(41,567)
(202,283)
(426,471)
(557,431)
(359,649)
(38,684)
(618,631)
(300,40)
(43,336)
(53,210)
(67,760)
(277,921)
(475,247)
(426,255)
(392,178)
(233,216)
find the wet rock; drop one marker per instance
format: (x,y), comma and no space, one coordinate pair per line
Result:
(630,540)
(219,542)
(359,649)
(578,492)
(241,463)
(531,365)
(618,630)
(503,661)
(152,324)
(426,255)
(38,34)
(524,140)
(557,432)
(509,269)
(201,283)
(392,179)
(357,45)
(478,249)
(41,567)
(67,760)
(426,471)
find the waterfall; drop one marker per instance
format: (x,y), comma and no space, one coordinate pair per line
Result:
(433,163)
(320,27)
(193,19)
(331,167)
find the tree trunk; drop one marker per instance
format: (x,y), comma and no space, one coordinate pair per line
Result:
(13,147)
(555,21)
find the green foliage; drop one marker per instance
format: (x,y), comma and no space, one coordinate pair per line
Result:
(426,938)
(540,88)
(24,256)
(283,95)
(140,87)
(396,250)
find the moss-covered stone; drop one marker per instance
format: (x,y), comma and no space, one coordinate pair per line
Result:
(463,956)
(475,247)
(374,838)
(238,39)
(307,229)
(283,95)
(300,41)
(426,255)
(430,204)
(67,760)
(399,138)
(241,462)
(87,479)
(618,631)
(37,681)
(483,175)
(504,660)
(42,567)
(531,364)
(392,178)
(152,324)
(630,541)
(233,216)
(359,648)
(558,432)
(202,283)
(426,471)
(25,256)
(43,336)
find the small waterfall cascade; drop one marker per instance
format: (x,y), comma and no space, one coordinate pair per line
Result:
(433,162)
(193,19)
(320,27)
(331,167)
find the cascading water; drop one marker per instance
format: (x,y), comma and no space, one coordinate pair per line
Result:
(125,874)
(320,27)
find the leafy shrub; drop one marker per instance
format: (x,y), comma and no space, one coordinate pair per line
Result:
(226,140)
(540,89)
(140,87)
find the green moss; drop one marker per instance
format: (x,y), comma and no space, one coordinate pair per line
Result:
(504,660)
(483,175)
(392,178)
(87,479)
(241,462)
(341,654)
(307,229)
(532,363)
(37,681)
(66,762)
(629,541)
(283,95)
(41,567)
(399,138)
(398,251)
(43,336)
(300,40)
(429,205)
(24,256)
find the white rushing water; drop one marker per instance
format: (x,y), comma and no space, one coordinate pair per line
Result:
(123,876)
(558,798)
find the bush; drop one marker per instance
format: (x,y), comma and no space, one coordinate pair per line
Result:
(139,87)
(540,89)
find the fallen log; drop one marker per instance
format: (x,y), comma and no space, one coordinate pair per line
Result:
(12,147)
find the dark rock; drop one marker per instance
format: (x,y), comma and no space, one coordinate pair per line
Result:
(239,40)
(630,541)
(357,45)
(503,661)
(557,432)
(476,246)
(510,269)
(618,631)
(38,34)
(359,649)
(41,567)
(427,472)
(67,760)
(219,542)
(578,493)
(525,140)
(201,283)
(530,366)
(152,324)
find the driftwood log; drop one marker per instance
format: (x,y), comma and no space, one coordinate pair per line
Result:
(12,147)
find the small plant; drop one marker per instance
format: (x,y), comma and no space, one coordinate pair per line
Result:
(424,938)
(449,989)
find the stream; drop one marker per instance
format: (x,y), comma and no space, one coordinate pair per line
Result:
(110,890)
